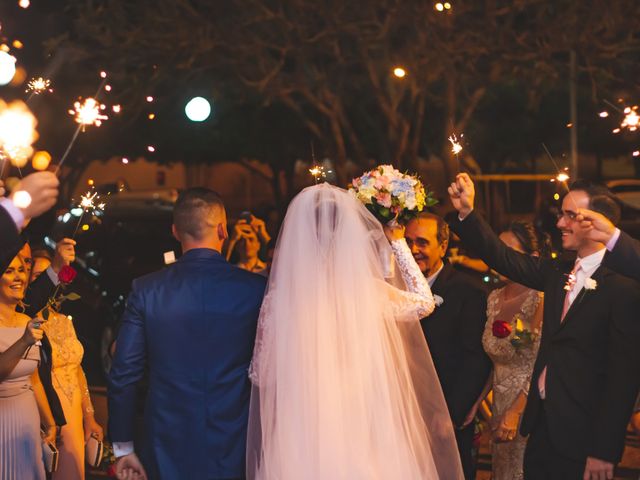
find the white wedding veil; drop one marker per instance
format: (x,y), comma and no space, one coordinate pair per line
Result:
(343,390)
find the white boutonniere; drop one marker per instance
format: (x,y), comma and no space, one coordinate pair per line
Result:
(590,284)
(439,300)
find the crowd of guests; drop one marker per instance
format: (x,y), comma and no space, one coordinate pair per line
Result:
(506,347)
(44,397)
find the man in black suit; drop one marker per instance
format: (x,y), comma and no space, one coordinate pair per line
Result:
(454,330)
(624,256)
(587,374)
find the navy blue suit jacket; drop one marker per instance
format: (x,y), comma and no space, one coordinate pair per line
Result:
(194,325)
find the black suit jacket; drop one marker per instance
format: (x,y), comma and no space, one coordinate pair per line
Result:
(625,257)
(10,240)
(592,357)
(454,335)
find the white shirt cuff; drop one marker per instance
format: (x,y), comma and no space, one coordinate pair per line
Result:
(461,218)
(120,449)
(613,240)
(14,212)
(53,276)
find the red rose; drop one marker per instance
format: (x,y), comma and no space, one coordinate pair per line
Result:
(67,274)
(501,329)
(111,471)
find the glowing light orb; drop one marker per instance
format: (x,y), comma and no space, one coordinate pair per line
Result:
(399,72)
(41,160)
(198,109)
(21,199)
(604,114)
(17,132)
(125,160)
(7,67)
(24,3)
(439,7)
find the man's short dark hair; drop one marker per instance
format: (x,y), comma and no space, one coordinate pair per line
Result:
(601,199)
(443,228)
(193,209)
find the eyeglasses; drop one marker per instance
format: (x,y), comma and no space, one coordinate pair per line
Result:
(418,242)
(567,215)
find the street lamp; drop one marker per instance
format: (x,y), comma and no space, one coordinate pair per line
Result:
(399,72)
(198,109)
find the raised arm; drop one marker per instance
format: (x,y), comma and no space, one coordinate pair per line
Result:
(624,251)
(479,237)
(417,301)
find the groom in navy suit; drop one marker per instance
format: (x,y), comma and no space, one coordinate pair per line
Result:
(193,324)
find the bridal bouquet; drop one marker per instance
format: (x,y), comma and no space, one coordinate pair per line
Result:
(391,195)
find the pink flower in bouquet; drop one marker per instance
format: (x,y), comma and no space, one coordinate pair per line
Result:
(384,199)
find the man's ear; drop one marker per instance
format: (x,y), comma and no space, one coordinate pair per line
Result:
(443,248)
(175,233)
(222,231)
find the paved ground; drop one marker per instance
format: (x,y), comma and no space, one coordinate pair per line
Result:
(629,467)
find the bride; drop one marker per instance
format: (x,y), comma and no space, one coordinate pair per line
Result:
(344,385)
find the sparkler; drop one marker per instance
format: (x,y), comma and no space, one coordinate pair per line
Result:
(89,203)
(89,115)
(88,112)
(631,119)
(39,85)
(562,177)
(456,148)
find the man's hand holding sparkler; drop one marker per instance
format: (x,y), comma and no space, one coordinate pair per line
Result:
(600,227)
(65,254)
(462,194)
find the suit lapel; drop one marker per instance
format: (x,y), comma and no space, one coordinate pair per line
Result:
(441,285)
(583,297)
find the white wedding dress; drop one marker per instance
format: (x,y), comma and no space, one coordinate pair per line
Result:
(344,385)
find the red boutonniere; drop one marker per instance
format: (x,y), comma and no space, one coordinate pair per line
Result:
(501,329)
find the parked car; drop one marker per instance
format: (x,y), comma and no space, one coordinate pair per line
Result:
(127,240)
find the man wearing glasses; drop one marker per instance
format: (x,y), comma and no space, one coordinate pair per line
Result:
(587,373)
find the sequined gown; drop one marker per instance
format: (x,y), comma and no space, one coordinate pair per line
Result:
(512,370)
(20,441)
(70,385)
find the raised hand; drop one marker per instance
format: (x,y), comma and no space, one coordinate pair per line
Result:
(260,228)
(599,227)
(65,254)
(394,231)
(42,188)
(462,194)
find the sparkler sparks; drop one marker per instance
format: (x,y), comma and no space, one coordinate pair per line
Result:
(88,112)
(39,85)
(456,148)
(17,132)
(318,172)
(631,119)
(89,203)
